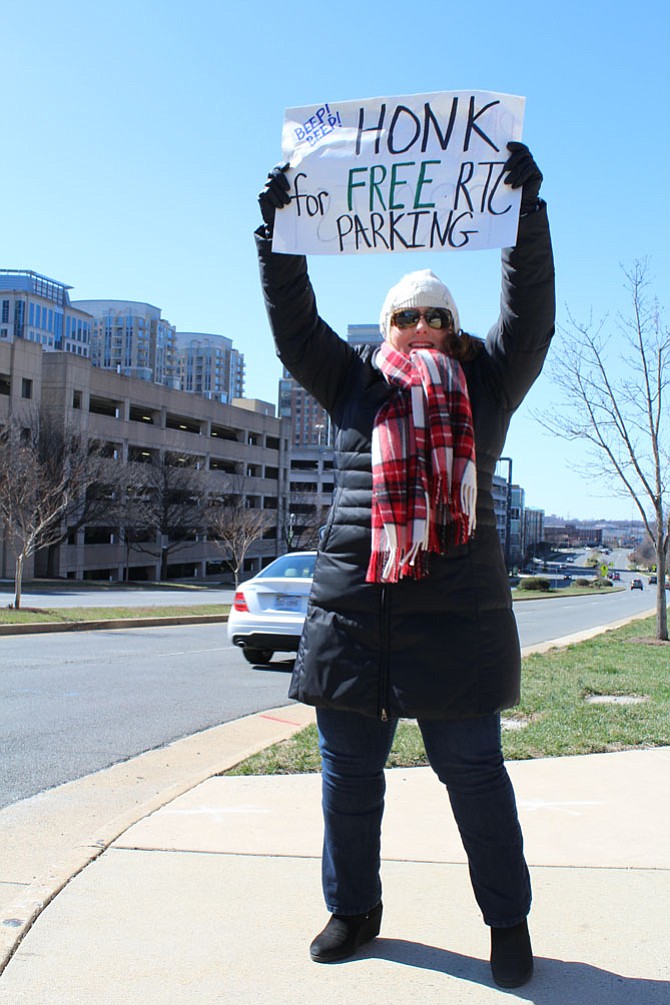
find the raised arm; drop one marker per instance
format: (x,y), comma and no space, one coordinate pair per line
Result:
(309,349)
(517,344)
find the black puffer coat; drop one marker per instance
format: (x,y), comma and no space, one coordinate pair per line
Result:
(445,646)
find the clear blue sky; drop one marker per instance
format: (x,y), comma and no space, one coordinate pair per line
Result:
(137,134)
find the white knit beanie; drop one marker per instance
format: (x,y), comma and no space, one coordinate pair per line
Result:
(417,289)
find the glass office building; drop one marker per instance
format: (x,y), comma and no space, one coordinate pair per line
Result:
(38,309)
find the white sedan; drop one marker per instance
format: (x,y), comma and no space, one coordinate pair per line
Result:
(269,610)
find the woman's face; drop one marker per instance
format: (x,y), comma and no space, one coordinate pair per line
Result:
(418,336)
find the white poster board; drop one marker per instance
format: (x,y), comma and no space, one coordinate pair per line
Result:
(417,173)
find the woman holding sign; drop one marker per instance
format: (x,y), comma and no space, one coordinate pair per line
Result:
(410,613)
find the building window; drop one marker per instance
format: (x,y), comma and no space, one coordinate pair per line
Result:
(99,535)
(19,317)
(5,312)
(26,388)
(76,399)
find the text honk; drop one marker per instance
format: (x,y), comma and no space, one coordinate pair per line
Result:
(417,173)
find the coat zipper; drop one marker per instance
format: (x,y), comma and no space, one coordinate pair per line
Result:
(384,662)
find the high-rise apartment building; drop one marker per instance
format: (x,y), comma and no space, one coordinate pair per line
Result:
(500,493)
(38,309)
(208,365)
(364,335)
(132,338)
(517,502)
(533,530)
(310,422)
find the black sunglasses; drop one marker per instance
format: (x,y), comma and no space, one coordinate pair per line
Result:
(435,317)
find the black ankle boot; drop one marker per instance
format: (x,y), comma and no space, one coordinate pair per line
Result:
(344,933)
(511,955)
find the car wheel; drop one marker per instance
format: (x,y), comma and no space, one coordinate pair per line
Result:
(262,656)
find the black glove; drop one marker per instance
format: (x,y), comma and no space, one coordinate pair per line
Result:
(273,196)
(522,172)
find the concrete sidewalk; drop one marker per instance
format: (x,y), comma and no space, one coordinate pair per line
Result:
(213,896)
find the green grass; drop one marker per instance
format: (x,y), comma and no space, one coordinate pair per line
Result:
(300,754)
(30,615)
(556,719)
(564,591)
(556,684)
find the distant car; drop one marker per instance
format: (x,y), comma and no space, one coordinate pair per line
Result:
(653,579)
(616,576)
(636,584)
(268,611)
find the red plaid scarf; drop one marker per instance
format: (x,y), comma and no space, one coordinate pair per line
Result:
(424,482)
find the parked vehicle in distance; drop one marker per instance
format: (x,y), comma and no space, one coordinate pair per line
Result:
(636,584)
(268,611)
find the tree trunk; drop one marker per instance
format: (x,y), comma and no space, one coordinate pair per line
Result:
(661,567)
(18,579)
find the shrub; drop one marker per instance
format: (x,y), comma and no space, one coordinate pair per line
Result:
(583,581)
(535,583)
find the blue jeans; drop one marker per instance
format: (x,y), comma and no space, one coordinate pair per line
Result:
(466,756)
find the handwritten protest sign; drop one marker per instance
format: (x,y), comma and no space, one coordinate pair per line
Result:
(414,173)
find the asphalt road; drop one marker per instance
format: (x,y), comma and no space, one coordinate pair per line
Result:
(543,620)
(75,703)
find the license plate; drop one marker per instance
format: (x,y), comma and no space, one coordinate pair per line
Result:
(284,602)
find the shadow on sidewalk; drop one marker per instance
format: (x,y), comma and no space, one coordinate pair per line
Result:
(555,982)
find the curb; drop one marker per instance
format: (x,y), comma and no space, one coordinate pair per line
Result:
(275,725)
(42,627)
(583,636)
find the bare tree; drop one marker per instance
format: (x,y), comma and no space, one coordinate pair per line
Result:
(643,554)
(174,508)
(617,403)
(44,479)
(134,512)
(234,525)
(302,520)
(102,482)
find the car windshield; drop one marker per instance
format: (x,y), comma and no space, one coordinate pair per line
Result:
(293,566)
